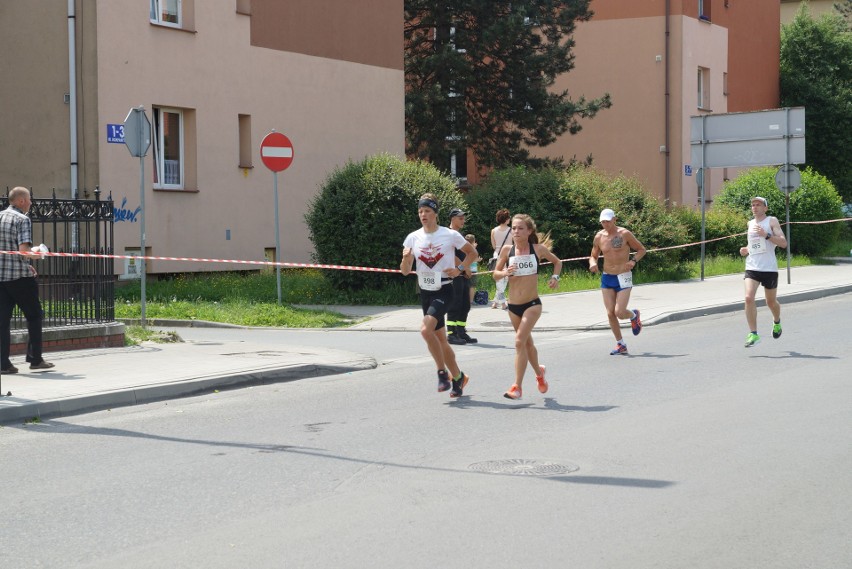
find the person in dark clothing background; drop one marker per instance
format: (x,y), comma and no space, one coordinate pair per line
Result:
(460,308)
(17,281)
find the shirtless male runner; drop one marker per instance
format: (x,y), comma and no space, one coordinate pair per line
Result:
(614,244)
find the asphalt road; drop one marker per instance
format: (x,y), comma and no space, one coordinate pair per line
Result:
(692,452)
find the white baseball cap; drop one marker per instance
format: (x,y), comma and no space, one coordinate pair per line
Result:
(607,215)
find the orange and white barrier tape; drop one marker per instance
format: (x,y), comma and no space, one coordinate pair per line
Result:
(348,267)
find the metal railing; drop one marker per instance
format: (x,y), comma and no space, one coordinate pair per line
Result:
(73,290)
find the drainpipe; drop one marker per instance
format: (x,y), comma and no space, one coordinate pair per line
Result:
(72,104)
(668,103)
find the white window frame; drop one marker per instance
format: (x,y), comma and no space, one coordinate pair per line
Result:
(454,166)
(703,91)
(702,15)
(156,13)
(453,40)
(158,144)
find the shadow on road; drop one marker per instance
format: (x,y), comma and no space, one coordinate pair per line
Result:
(58,427)
(798,356)
(550,404)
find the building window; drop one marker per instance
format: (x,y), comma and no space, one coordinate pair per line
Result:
(703,88)
(168,149)
(704,10)
(725,84)
(245,140)
(458,166)
(166,12)
(244,7)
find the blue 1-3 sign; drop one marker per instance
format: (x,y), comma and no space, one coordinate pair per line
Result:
(115,133)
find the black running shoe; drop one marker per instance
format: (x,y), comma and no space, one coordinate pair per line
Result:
(459,385)
(456,340)
(443,380)
(466,337)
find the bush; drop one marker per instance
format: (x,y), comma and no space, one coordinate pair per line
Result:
(640,212)
(520,190)
(567,204)
(364,211)
(719,222)
(815,200)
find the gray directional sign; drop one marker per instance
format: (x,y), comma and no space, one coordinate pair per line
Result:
(761,138)
(137,132)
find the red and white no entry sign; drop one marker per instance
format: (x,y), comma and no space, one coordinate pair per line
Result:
(276,151)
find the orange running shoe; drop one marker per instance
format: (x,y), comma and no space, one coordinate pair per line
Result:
(514,392)
(542,383)
(459,385)
(636,323)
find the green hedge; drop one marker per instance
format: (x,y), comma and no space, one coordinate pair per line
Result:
(567,204)
(364,211)
(719,222)
(815,200)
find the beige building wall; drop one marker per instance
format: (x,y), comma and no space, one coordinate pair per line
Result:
(34,121)
(789,8)
(630,137)
(332,109)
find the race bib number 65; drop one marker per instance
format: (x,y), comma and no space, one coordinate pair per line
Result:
(756,245)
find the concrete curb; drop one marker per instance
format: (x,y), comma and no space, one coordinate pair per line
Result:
(172,390)
(737,306)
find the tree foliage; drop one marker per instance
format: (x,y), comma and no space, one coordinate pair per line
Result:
(567,204)
(816,73)
(364,211)
(815,200)
(479,74)
(845,9)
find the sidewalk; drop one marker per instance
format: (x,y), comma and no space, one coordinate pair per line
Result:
(87,380)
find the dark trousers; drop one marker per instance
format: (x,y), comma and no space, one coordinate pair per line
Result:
(23,293)
(460,307)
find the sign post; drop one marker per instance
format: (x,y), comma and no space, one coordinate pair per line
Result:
(137,138)
(788,179)
(276,153)
(758,138)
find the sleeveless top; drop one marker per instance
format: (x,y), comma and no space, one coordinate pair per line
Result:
(501,238)
(761,253)
(525,264)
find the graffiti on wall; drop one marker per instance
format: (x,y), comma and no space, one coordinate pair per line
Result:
(122,213)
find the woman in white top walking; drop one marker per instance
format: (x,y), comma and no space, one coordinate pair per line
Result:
(499,237)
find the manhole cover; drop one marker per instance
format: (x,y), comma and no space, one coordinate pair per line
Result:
(262,354)
(523,467)
(498,324)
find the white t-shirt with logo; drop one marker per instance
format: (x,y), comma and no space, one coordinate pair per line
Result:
(434,253)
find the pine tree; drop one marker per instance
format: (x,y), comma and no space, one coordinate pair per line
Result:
(479,74)
(845,9)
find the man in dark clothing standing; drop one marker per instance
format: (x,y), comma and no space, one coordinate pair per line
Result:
(457,314)
(17,281)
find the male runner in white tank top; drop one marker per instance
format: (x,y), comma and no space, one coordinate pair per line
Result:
(764,235)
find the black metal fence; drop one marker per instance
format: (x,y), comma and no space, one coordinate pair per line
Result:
(73,290)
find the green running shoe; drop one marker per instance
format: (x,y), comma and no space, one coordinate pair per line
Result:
(776,331)
(752,340)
